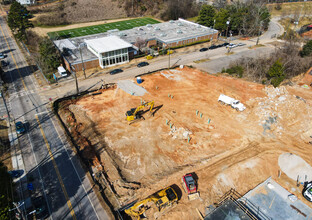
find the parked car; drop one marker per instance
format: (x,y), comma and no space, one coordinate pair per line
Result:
(40,207)
(62,71)
(225,44)
(143,64)
(231,45)
(115,71)
(240,44)
(203,49)
(3,63)
(1,56)
(15,173)
(20,127)
(213,47)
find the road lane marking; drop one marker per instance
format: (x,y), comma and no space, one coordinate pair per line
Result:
(19,73)
(41,181)
(44,137)
(72,212)
(75,169)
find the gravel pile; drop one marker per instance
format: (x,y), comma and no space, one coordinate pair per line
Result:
(131,88)
(294,166)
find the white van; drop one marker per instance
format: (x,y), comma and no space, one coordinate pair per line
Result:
(62,71)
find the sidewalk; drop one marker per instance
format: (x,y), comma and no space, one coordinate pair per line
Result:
(16,155)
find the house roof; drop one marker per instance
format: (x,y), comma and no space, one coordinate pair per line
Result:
(109,43)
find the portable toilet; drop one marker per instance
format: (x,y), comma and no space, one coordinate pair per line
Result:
(139,80)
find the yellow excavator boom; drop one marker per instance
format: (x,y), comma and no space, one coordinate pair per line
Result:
(162,199)
(132,113)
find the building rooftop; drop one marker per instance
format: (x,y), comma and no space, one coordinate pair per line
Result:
(273,200)
(109,43)
(166,32)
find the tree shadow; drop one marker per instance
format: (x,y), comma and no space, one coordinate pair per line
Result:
(59,180)
(14,75)
(57,166)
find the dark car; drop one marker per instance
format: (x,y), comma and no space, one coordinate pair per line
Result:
(143,64)
(115,71)
(20,128)
(225,44)
(16,173)
(3,63)
(213,47)
(40,208)
(203,49)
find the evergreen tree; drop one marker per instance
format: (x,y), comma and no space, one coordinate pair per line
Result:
(49,55)
(221,18)
(5,199)
(18,20)
(206,16)
(307,49)
(276,73)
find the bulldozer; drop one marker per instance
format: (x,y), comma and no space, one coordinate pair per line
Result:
(163,200)
(135,113)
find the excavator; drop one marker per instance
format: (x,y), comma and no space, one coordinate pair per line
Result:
(135,113)
(163,199)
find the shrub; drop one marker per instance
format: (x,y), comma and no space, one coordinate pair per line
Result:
(307,49)
(276,73)
(235,70)
(52,20)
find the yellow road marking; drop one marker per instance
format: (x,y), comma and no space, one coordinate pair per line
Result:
(57,170)
(72,212)
(19,73)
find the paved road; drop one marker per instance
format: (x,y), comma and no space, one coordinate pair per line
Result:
(47,158)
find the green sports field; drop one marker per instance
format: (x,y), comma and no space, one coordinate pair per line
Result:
(96,29)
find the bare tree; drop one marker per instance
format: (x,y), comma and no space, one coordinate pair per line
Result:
(218,4)
(140,43)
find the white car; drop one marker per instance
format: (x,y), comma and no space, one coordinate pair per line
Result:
(1,56)
(307,192)
(240,44)
(231,45)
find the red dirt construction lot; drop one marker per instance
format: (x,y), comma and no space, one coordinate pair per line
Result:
(225,148)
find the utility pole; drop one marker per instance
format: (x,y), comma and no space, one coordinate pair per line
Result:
(19,211)
(169,59)
(83,68)
(297,22)
(73,70)
(230,36)
(259,33)
(227,27)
